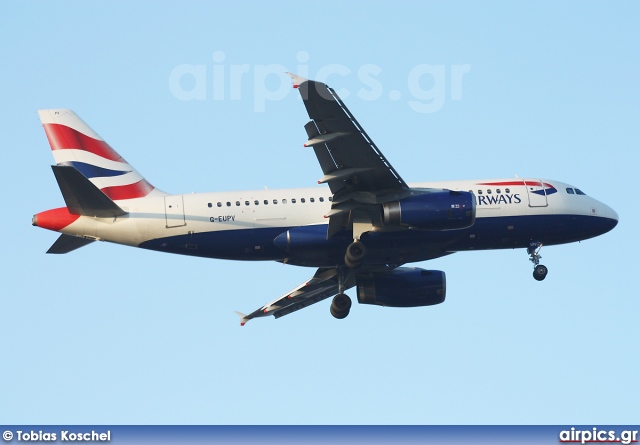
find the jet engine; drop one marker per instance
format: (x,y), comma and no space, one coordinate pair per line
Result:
(444,210)
(403,287)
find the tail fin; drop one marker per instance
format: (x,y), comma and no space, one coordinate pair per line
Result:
(76,145)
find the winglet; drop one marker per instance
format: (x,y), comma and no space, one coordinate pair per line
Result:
(297,80)
(243,318)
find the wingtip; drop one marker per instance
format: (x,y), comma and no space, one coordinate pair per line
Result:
(243,318)
(297,80)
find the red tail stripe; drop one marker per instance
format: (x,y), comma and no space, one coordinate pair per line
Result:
(521,182)
(503,183)
(62,137)
(138,190)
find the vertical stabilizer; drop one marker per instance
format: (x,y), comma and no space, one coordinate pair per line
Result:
(75,144)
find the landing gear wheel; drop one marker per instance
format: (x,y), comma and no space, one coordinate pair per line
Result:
(355,255)
(340,306)
(540,272)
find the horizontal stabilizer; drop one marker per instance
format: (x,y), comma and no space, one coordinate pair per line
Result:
(81,196)
(68,243)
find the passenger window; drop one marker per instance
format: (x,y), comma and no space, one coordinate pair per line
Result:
(498,191)
(293,201)
(479,192)
(284,201)
(209,205)
(275,201)
(228,204)
(321,199)
(570,190)
(312,200)
(237,203)
(256,202)
(266,201)
(507,191)
(580,192)
(330,198)
(489,192)
(219,204)
(302,200)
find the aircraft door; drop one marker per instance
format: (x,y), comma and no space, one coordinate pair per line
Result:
(537,193)
(174,211)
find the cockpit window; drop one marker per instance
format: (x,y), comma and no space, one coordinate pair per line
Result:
(580,192)
(570,190)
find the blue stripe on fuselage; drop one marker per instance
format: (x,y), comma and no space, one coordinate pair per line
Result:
(506,232)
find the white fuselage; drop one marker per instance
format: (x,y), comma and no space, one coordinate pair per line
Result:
(160,216)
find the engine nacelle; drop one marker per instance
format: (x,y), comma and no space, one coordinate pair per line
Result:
(309,239)
(445,210)
(403,287)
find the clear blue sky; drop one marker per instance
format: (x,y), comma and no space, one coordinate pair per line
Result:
(110,334)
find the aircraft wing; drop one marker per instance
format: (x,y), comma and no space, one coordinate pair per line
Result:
(355,169)
(322,285)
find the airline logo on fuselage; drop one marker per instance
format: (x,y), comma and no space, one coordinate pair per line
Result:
(514,198)
(535,187)
(548,189)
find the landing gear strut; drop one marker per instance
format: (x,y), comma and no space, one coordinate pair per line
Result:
(341,303)
(539,271)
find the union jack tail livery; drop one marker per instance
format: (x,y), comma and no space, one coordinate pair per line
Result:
(75,144)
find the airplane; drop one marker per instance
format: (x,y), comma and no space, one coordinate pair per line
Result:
(360,231)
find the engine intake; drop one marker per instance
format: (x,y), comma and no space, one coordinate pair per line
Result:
(403,287)
(445,210)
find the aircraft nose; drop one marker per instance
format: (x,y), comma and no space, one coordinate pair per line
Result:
(614,214)
(611,217)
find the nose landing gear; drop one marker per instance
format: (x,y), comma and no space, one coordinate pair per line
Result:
(539,271)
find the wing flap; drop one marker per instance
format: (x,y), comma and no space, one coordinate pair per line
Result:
(338,137)
(355,169)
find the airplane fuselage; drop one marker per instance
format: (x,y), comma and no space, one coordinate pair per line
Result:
(245,225)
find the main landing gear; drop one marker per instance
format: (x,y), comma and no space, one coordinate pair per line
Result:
(341,303)
(539,271)
(340,306)
(355,254)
